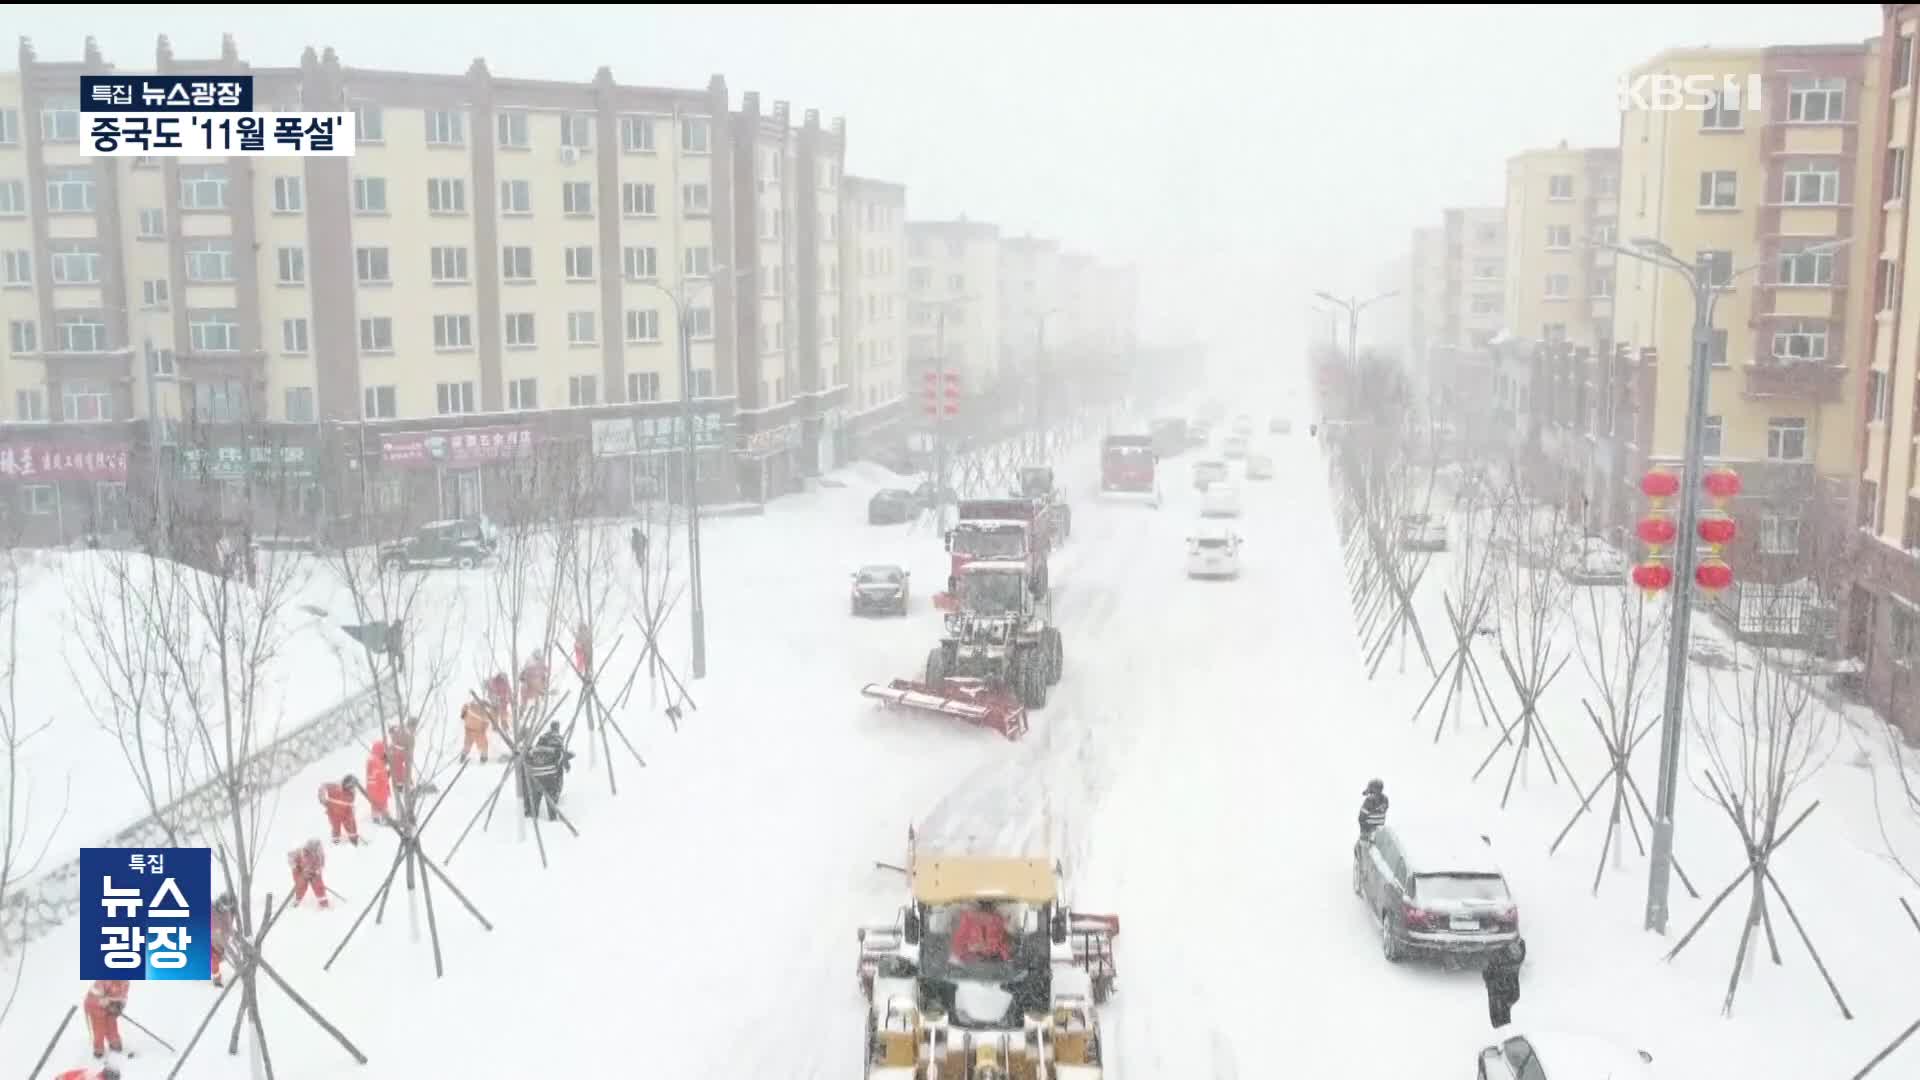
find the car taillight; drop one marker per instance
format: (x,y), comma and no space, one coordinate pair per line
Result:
(1507,918)
(1415,918)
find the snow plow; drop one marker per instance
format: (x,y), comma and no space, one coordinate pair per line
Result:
(985,974)
(1127,468)
(1000,530)
(972,700)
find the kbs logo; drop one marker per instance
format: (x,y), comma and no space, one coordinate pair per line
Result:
(1666,92)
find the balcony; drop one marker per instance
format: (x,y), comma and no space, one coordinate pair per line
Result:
(1807,380)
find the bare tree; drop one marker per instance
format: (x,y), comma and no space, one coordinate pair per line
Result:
(1468,596)
(589,551)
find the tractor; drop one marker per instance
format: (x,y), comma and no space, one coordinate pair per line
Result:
(1000,633)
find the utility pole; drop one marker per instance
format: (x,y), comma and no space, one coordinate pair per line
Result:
(695,593)
(1353,307)
(940,422)
(162,515)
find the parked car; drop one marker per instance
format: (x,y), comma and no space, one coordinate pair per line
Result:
(1259,467)
(1544,1055)
(880,589)
(1213,552)
(462,544)
(1434,890)
(1221,500)
(1423,532)
(1235,447)
(1590,560)
(1207,472)
(1280,425)
(890,506)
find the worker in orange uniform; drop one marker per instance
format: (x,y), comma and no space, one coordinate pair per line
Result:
(533,680)
(105,1001)
(222,932)
(400,755)
(309,862)
(475,719)
(109,1070)
(583,651)
(338,801)
(378,786)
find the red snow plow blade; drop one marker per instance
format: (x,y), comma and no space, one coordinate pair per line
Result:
(972,700)
(945,601)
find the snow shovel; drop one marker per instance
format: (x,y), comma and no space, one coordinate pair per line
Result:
(148,1032)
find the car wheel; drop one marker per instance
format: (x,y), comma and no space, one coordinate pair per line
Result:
(1390,948)
(465,562)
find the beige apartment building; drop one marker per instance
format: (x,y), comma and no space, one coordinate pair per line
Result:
(953,290)
(1562,217)
(1474,253)
(1737,192)
(873,304)
(1882,610)
(1033,316)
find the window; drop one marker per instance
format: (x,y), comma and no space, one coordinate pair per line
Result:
(153,224)
(446,128)
(289,194)
(220,400)
(1723,111)
(1779,534)
(17,269)
(580,263)
(293,336)
(1896,173)
(1718,189)
(1605,233)
(1806,182)
(69,190)
(369,123)
(643,325)
(693,199)
(453,331)
(695,133)
(643,386)
(582,328)
(576,197)
(1877,407)
(1801,340)
(516,263)
(293,265)
(369,194)
(1817,101)
(520,330)
(452,398)
(1606,186)
(23,336)
(449,264)
(300,408)
(1600,284)
(163,363)
(1799,267)
(957,283)
(1905,628)
(1717,349)
(1559,237)
(1486,269)
(203,187)
(700,323)
(697,261)
(60,120)
(576,130)
(523,394)
(703,382)
(639,263)
(636,134)
(82,400)
(1787,438)
(919,278)
(210,259)
(1486,304)
(512,127)
(213,331)
(376,334)
(1886,288)
(582,390)
(9,127)
(636,200)
(30,405)
(1714,267)
(370,266)
(1559,286)
(154,293)
(380,403)
(447,195)
(13,197)
(515,197)
(1560,186)
(1710,435)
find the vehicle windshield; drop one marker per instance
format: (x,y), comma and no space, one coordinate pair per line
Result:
(879,575)
(1459,888)
(990,543)
(997,592)
(1212,543)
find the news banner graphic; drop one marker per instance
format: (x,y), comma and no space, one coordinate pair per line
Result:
(200,116)
(146,914)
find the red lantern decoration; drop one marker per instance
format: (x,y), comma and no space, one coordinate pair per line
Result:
(1713,575)
(1653,576)
(1657,530)
(1659,484)
(1721,483)
(1718,530)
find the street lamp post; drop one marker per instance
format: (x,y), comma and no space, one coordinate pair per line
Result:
(162,513)
(1705,292)
(1353,306)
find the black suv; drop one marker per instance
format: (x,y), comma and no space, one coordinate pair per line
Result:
(439,543)
(1434,892)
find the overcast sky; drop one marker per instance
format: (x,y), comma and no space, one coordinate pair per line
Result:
(1243,158)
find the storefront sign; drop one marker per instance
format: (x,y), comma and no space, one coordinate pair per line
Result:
(614,438)
(655,434)
(458,449)
(31,462)
(771,441)
(234,462)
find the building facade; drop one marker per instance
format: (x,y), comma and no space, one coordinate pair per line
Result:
(873,307)
(953,290)
(1562,217)
(1031,310)
(1474,249)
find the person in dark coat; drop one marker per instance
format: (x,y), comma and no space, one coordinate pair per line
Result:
(545,773)
(638,541)
(1373,807)
(1502,975)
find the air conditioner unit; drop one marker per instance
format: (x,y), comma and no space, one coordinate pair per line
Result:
(569,155)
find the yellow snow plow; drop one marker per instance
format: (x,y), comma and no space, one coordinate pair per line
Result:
(985,975)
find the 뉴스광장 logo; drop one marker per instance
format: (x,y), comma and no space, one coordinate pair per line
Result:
(1661,91)
(146,914)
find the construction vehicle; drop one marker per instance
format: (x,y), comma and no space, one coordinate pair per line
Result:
(1003,530)
(1127,464)
(985,974)
(1052,517)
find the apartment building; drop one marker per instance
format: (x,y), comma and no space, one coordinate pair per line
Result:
(1031,311)
(953,289)
(1425,287)
(1881,620)
(1739,192)
(1076,291)
(1562,216)
(873,304)
(1474,249)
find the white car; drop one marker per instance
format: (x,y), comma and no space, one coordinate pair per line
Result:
(1235,447)
(1552,1055)
(1213,552)
(1208,472)
(1259,467)
(1221,500)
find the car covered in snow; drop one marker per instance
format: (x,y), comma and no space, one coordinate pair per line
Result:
(1552,1055)
(1208,472)
(1213,552)
(1434,890)
(462,544)
(1234,448)
(880,589)
(1590,560)
(1423,532)
(891,506)
(1220,500)
(1259,467)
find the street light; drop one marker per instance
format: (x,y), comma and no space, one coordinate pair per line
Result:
(939,409)
(1353,306)
(1705,292)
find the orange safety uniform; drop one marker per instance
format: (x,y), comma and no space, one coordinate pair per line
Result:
(379,788)
(400,755)
(475,718)
(308,862)
(533,681)
(338,800)
(583,651)
(222,934)
(84,1074)
(104,1001)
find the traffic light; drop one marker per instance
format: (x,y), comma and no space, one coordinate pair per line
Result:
(935,400)
(930,402)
